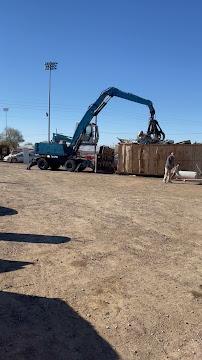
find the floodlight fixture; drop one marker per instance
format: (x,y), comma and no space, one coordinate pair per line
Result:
(51,65)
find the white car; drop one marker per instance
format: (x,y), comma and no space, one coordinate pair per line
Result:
(18,158)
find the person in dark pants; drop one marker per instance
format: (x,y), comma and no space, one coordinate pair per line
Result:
(32,163)
(169,165)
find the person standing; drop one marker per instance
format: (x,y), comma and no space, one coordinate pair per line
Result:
(32,163)
(169,165)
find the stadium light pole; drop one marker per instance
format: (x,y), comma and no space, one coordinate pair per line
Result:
(6,112)
(50,66)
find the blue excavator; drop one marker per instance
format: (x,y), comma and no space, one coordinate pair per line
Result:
(64,150)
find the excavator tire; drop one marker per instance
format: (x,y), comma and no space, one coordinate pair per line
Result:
(70,165)
(42,164)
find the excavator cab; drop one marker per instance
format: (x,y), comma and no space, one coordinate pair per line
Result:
(90,135)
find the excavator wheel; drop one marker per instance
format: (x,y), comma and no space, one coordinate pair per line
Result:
(42,164)
(70,165)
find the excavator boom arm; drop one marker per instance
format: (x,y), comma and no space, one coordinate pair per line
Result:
(135,98)
(100,103)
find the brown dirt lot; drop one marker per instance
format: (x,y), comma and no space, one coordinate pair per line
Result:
(98,267)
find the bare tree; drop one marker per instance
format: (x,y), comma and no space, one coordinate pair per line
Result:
(11,137)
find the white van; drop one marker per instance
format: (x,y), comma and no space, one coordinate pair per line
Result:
(18,158)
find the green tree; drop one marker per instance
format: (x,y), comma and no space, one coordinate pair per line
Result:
(11,137)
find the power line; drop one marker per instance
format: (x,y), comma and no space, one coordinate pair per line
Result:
(118,133)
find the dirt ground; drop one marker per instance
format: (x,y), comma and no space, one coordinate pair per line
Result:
(98,267)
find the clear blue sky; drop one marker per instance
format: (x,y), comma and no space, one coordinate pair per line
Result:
(151,48)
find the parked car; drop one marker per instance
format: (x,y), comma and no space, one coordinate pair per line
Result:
(18,158)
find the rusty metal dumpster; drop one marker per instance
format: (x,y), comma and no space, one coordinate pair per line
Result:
(150,159)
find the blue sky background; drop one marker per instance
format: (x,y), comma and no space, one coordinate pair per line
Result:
(151,48)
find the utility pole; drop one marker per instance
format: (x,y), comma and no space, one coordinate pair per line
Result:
(6,112)
(50,66)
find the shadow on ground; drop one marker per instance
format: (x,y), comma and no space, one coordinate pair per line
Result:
(10,265)
(7,211)
(38,328)
(10,183)
(33,238)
